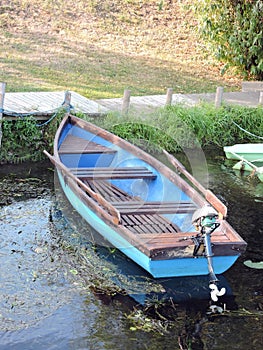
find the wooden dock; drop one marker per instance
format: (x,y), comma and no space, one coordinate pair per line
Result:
(44,104)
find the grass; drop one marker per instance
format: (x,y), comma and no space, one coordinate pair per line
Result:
(175,127)
(99,48)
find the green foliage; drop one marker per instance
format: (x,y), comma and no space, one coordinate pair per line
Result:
(22,140)
(177,127)
(172,128)
(234,30)
(207,125)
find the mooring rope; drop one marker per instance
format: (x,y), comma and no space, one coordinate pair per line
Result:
(248,132)
(22,115)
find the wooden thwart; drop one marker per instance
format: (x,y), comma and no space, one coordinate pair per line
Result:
(141,208)
(74,145)
(101,173)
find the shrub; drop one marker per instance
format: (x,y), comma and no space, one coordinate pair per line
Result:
(234,30)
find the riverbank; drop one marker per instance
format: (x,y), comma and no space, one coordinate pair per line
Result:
(172,128)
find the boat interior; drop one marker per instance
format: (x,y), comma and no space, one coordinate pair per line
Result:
(138,215)
(157,221)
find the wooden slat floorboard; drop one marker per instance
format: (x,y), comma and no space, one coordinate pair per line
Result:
(136,223)
(101,173)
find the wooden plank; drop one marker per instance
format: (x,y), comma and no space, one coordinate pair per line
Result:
(102,173)
(172,240)
(46,103)
(2,97)
(248,86)
(73,144)
(141,208)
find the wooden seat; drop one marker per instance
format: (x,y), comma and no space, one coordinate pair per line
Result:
(74,145)
(142,208)
(101,173)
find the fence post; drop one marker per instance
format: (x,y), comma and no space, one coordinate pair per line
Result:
(126,101)
(2,97)
(67,100)
(260,101)
(169,97)
(219,96)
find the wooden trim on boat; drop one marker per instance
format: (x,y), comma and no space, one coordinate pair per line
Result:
(116,218)
(101,173)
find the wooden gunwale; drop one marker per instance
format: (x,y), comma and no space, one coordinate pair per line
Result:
(115,215)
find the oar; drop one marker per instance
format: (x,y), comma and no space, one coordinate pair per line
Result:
(113,211)
(209,195)
(221,208)
(253,166)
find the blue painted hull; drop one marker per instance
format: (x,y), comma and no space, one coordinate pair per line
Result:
(177,267)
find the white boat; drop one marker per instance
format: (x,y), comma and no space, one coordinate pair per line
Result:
(244,164)
(253,152)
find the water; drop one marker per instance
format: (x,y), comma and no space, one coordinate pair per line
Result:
(60,292)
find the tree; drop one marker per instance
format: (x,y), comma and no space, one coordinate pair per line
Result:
(234,30)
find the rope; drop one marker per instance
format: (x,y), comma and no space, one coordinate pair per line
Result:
(49,120)
(22,115)
(249,133)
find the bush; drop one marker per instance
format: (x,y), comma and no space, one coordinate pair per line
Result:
(176,127)
(235,32)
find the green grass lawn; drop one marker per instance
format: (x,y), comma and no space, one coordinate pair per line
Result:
(99,48)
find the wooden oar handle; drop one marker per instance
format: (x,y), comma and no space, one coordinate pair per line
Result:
(114,212)
(209,195)
(174,161)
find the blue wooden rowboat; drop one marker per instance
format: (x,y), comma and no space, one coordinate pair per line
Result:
(141,206)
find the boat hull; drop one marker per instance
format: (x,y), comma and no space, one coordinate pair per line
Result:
(253,152)
(175,267)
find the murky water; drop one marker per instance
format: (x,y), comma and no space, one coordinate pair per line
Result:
(58,291)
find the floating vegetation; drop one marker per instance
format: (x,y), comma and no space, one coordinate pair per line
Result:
(13,188)
(254,265)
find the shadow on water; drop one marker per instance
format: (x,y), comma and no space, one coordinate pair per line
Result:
(61,291)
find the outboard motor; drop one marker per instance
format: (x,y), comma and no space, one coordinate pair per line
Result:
(205,222)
